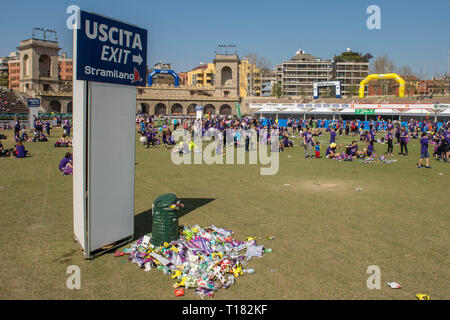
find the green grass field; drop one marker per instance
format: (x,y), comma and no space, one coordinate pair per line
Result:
(326,233)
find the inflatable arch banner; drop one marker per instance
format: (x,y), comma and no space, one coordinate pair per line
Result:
(171,72)
(336,84)
(393,76)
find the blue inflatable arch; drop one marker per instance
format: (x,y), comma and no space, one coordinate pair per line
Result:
(159,71)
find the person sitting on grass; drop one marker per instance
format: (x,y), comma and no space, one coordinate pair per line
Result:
(331,151)
(3,152)
(424,151)
(352,149)
(24,137)
(65,166)
(285,140)
(63,142)
(19,150)
(42,138)
(368,150)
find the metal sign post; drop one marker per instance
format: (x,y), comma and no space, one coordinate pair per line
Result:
(109,60)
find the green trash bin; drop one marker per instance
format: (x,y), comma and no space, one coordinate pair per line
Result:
(165,220)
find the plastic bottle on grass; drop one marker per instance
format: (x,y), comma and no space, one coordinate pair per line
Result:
(249,271)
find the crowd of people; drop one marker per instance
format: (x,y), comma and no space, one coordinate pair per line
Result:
(41,133)
(374,132)
(157,131)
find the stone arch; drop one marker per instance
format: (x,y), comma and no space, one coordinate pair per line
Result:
(69,107)
(44,65)
(209,108)
(160,108)
(55,106)
(225,109)
(191,108)
(177,109)
(226,75)
(143,108)
(26,65)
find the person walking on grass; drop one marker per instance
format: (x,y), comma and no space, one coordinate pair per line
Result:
(307,143)
(424,151)
(404,139)
(390,142)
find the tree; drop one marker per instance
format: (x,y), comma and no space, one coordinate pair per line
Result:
(442,87)
(277,90)
(405,71)
(352,90)
(409,87)
(382,65)
(258,61)
(302,92)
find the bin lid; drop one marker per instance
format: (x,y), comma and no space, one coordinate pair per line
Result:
(165,200)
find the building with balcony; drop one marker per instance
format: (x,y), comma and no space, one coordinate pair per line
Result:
(350,68)
(13,62)
(268,79)
(202,76)
(249,79)
(298,74)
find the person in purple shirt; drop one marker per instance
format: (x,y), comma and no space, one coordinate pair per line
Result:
(67,160)
(307,143)
(397,133)
(404,139)
(19,150)
(352,149)
(390,125)
(368,150)
(331,151)
(446,135)
(332,136)
(390,141)
(424,151)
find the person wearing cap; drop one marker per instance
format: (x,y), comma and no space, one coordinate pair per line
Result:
(331,151)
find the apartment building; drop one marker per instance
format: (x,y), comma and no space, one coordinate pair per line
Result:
(350,68)
(298,74)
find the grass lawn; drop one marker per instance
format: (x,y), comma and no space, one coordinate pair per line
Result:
(326,233)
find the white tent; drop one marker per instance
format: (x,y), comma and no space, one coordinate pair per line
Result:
(291,109)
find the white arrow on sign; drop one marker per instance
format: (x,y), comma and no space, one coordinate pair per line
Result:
(138,59)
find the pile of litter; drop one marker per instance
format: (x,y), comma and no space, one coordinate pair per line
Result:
(377,159)
(206,259)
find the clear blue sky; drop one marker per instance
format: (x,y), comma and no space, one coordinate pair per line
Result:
(184,33)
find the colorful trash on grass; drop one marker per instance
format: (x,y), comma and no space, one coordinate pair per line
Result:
(204,259)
